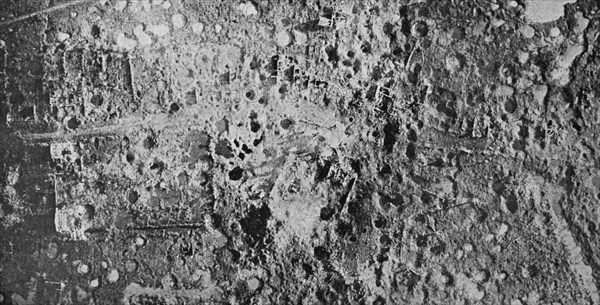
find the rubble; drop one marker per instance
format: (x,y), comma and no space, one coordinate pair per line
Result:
(159,30)
(561,72)
(178,21)
(541,11)
(248,9)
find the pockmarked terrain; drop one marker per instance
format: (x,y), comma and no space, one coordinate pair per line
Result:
(308,152)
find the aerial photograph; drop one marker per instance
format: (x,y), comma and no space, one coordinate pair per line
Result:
(189,152)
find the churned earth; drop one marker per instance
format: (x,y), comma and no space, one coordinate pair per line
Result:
(308,152)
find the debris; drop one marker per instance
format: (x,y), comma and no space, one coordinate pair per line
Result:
(121,5)
(468,287)
(505,91)
(497,23)
(248,9)
(501,231)
(83,269)
(94,283)
(525,273)
(198,28)
(94,10)
(159,30)
(582,23)
(300,38)
(254,284)
(522,56)
(178,21)
(113,276)
(542,11)
(72,220)
(527,31)
(444,279)
(283,38)
(139,241)
(468,247)
(168,281)
(502,275)
(539,94)
(146,6)
(480,276)
(52,250)
(62,37)
(533,297)
(17,299)
(419,29)
(130,266)
(125,43)
(143,38)
(453,64)
(64,151)
(561,73)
